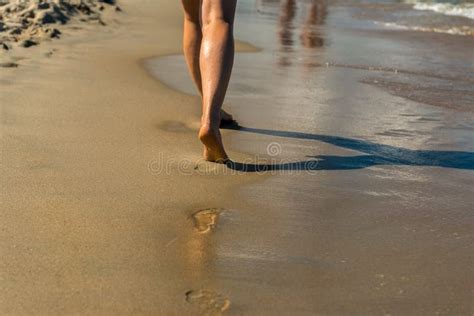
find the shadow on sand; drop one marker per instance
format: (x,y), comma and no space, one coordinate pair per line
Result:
(375,154)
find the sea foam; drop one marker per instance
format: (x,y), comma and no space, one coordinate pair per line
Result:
(462,9)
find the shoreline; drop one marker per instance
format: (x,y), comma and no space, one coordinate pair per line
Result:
(240,47)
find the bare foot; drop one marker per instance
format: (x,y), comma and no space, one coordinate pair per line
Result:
(227,120)
(226,117)
(213,147)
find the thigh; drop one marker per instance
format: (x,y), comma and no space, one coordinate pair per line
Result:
(218,10)
(192,10)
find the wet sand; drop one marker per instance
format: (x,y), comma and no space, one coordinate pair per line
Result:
(362,206)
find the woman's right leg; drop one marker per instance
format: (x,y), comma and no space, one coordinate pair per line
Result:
(216,61)
(192,39)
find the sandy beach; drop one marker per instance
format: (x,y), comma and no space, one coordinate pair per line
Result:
(349,192)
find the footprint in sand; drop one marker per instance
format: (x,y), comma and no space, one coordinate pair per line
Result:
(206,220)
(174,126)
(8,65)
(209,302)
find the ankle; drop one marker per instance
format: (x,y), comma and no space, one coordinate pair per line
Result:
(211,120)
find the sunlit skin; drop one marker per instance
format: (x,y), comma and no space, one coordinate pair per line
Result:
(208,44)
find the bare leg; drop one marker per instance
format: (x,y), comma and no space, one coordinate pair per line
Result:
(192,39)
(216,61)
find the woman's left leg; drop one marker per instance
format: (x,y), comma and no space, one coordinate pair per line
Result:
(192,39)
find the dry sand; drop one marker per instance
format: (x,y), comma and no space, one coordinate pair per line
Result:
(89,224)
(107,209)
(27,22)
